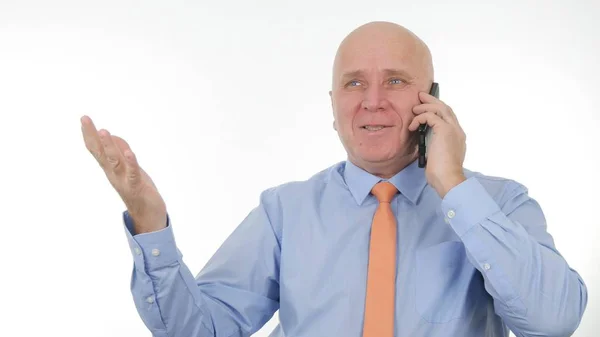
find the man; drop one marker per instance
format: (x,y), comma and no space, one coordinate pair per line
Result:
(372,246)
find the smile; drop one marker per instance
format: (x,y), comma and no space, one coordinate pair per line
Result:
(374,128)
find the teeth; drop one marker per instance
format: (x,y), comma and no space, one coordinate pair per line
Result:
(373,128)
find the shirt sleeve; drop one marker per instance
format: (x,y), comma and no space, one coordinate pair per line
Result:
(235,294)
(534,289)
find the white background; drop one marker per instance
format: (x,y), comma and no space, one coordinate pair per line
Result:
(234,96)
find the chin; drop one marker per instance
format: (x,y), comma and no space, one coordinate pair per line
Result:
(375,156)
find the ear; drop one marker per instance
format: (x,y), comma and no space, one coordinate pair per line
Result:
(331,99)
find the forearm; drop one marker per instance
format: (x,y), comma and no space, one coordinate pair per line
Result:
(234,295)
(168,297)
(166,304)
(535,291)
(163,288)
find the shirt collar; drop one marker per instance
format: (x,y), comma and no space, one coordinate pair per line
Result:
(410,181)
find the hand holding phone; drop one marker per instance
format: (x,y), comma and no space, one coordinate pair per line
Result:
(445,154)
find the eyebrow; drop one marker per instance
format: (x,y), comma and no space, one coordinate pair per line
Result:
(387,72)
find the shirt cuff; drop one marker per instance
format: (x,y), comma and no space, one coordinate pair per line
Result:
(466,205)
(154,250)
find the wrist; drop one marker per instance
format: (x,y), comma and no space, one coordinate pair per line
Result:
(449,183)
(143,225)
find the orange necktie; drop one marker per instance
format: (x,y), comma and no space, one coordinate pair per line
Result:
(381,277)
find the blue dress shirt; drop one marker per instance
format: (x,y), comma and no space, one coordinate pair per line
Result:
(476,263)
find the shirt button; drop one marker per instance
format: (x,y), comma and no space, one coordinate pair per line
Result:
(155,252)
(137,250)
(451,214)
(486,266)
(150,299)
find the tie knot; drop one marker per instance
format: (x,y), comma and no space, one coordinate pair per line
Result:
(384,191)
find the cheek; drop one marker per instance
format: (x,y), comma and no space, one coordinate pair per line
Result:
(344,113)
(405,113)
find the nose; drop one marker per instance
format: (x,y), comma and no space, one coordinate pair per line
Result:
(375,99)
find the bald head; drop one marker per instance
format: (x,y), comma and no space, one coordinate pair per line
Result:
(379,70)
(373,39)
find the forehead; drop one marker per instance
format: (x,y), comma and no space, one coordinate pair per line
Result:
(377,54)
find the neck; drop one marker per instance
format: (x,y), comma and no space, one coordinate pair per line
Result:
(386,169)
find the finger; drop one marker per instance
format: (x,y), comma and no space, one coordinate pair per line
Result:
(421,108)
(441,110)
(428,118)
(114,158)
(132,168)
(92,140)
(121,144)
(427,98)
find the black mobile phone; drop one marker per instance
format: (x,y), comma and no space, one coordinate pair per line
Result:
(425,131)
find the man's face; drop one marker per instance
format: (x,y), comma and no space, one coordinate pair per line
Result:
(376,81)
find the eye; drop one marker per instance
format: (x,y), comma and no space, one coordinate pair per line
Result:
(353,83)
(396,81)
